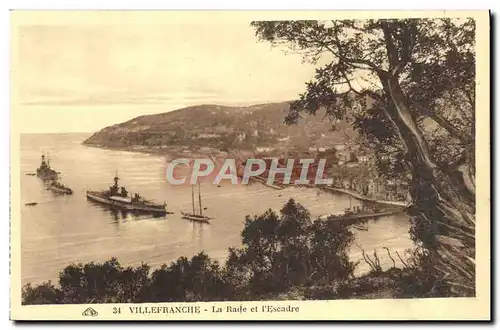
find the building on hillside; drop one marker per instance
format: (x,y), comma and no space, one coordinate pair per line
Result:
(343,156)
(264,149)
(206,149)
(208,135)
(283,139)
(241,137)
(340,147)
(317,149)
(363,159)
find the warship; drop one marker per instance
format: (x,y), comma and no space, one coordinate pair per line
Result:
(44,172)
(58,187)
(119,198)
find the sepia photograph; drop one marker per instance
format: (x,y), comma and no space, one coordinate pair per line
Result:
(194,165)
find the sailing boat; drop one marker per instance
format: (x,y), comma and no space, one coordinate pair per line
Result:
(193,216)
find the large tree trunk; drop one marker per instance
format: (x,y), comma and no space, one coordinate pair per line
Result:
(443,212)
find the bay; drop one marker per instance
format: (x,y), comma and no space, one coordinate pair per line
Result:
(62,229)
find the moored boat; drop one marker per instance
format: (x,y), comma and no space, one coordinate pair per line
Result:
(194,216)
(119,198)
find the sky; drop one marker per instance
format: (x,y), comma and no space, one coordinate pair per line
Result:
(82,76)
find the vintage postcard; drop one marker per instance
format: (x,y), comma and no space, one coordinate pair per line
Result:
(319,165)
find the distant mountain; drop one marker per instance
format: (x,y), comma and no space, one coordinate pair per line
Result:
(223,128)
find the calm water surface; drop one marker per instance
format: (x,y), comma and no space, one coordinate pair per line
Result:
(63,229)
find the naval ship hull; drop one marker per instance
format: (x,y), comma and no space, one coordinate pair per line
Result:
(65,191)
(47,176)
(133,207)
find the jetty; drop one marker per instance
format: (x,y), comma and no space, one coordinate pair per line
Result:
(263,180)
(365,198)
(351,219)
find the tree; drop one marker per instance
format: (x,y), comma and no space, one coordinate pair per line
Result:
(198,279)
(106,282)
(43,294)
(393,79)
(330,241)
(288,250)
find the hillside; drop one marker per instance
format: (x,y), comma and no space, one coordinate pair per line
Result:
(221,128)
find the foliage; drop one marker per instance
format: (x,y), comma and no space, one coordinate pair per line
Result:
(198,279)
(212,126)
(279,252)
(407,85)
(287,250)
(43,294)
(103,283)
(284,256)
(418,279)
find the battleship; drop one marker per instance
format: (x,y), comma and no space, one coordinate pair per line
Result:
(44,172)
(118,198)
(59,188)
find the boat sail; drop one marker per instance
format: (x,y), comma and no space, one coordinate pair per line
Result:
(194,216)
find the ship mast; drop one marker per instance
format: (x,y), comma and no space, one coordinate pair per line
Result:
(199,197)
(192,197)
(116,178)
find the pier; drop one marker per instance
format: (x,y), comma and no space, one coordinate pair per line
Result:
(264,182)
(364,198)
(351,219)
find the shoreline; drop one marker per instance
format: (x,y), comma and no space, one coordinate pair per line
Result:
(170,155)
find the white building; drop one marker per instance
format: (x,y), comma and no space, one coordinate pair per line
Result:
(363,159)
(264,149)
(206,149)
(208,135)
(241,137)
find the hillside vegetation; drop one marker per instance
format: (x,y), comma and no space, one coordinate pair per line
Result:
(222,128)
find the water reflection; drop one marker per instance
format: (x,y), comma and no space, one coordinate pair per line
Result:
(198,232)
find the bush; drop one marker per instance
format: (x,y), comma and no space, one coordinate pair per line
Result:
(281,253)
(287,250)
(418,278)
